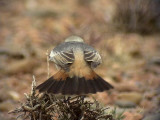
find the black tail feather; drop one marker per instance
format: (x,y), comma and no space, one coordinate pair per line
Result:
(55,87)
(99,87)
(74,86)
(44,86)
(90,84)
(86,89)
(105,84)
(68,85)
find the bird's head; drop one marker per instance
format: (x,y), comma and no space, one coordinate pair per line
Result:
(74,39)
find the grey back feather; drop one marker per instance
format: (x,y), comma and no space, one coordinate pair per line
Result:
(63,54)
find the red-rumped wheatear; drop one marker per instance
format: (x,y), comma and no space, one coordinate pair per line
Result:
(76,61)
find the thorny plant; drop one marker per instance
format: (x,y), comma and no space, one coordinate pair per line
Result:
(48,107)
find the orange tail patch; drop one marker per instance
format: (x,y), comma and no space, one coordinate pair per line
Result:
(62,83)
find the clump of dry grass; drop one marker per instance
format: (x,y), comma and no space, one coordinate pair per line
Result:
(142,16)
(48,107)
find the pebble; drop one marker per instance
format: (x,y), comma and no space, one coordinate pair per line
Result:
(6,106)
(146,104)
(12,95)
(132,116)
(122,87)
(25,65)
(125,104)
(152,117)
(134,97)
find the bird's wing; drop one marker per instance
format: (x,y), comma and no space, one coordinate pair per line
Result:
(92,57)
(62,58)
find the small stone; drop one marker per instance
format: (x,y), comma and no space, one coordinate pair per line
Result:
(125,104)
(103,97)
(131,86)
(14,95)
(146,104)
(134,97)
(132,116)
(155,61)
(152,117)
(25,65)
(6,106)
(4,117)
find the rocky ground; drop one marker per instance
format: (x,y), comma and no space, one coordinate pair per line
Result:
(29,29)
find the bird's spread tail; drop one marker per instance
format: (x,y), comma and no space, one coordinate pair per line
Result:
(62,83)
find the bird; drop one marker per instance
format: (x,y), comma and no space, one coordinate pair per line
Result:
(75,61)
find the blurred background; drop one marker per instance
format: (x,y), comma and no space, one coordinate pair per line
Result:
(125,32)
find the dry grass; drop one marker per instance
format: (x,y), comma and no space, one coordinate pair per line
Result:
(140,16)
